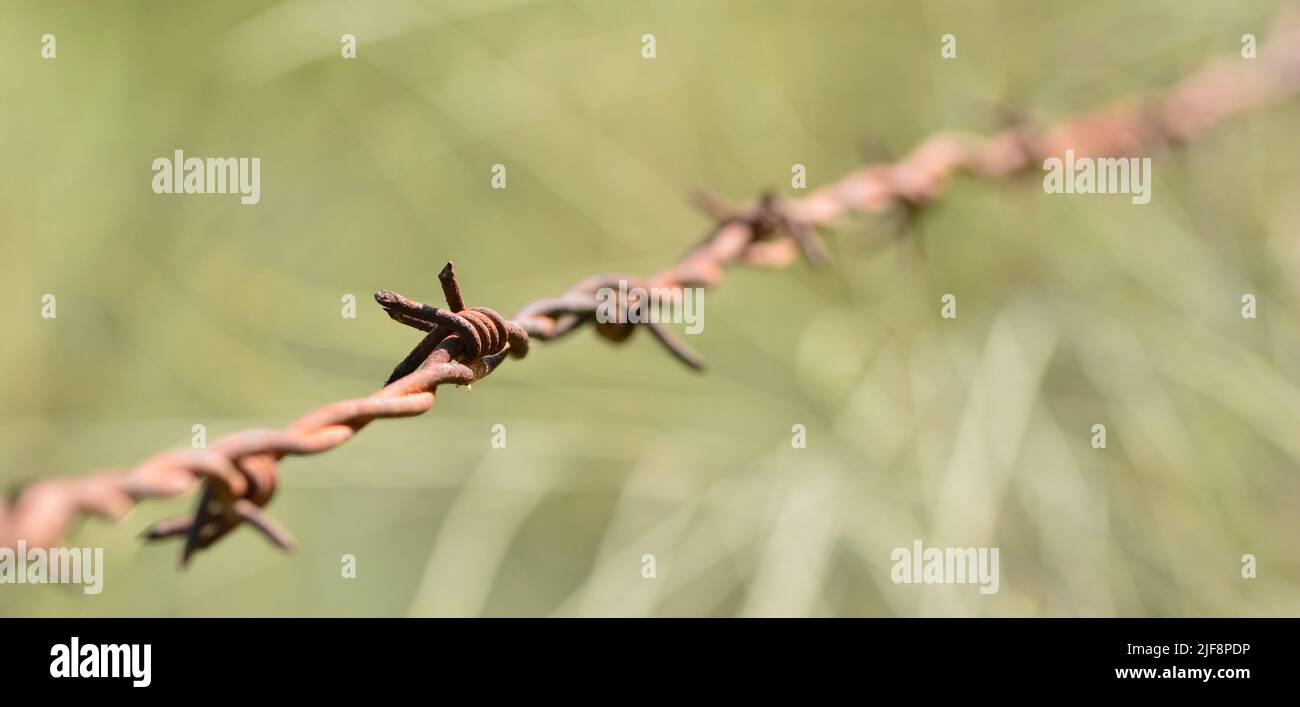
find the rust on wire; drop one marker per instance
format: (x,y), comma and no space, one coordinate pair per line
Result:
(462,344)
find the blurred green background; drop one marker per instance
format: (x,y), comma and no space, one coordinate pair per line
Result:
(178,310)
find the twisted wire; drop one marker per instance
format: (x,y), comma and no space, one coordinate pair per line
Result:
(239,472)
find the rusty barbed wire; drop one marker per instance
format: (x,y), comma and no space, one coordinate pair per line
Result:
(463,345)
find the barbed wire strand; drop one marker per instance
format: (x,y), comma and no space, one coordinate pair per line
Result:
(463,345)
